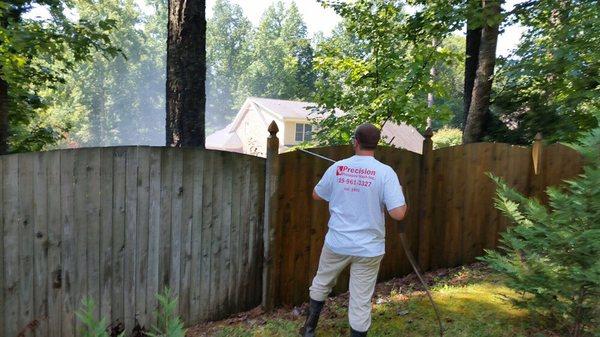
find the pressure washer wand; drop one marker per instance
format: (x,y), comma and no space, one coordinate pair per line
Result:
(317,155)
(411,258)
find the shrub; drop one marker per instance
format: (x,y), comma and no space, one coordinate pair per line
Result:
(168,323)
(91,326)
(446,136)
(552,253)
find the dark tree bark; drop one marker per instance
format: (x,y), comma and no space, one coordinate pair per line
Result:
(186,73)
(471,61)
(482,88)
(3,116)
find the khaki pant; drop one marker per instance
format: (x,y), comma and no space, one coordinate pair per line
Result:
(363,276)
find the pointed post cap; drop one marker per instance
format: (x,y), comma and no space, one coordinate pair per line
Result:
(538,137)
(273,129)
(428,132)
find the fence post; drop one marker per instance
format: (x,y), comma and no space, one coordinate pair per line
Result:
(425,201)
(271,184)
(535,182)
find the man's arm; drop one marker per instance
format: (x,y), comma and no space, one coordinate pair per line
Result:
(315,196)
(398,213)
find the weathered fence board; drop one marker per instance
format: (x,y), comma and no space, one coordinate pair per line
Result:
(118,225)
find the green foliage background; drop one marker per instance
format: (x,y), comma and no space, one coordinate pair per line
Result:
(98,78)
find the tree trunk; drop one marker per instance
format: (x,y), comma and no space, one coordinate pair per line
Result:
(482,88)
(433,76)
(3,116)
(471,61)
(186,73)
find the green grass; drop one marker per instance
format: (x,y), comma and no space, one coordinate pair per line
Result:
(472,306)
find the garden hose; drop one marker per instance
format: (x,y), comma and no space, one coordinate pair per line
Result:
(415,266)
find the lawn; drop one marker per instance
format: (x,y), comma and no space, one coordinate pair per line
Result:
(471,301)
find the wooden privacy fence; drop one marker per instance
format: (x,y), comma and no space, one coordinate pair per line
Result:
(451,217)
(118,225)
(224,231)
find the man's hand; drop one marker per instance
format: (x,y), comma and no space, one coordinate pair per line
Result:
(316,196)
(397,213)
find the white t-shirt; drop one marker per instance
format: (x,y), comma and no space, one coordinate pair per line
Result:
(358,188)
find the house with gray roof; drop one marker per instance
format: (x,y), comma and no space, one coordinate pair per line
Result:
(247,133)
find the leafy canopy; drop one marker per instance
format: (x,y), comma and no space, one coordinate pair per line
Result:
(38,52)
(376,66)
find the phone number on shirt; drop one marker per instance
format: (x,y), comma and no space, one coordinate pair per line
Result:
(354,182)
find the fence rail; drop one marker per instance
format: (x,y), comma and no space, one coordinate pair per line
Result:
(224,231)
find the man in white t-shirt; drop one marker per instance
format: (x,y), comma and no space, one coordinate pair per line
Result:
(359,189)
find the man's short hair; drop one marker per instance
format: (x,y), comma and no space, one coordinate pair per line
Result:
(368,136)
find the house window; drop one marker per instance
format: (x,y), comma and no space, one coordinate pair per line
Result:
(303,132)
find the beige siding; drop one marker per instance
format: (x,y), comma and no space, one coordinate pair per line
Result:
(252,131)
(289,133)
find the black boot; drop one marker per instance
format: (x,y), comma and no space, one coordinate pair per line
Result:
(354,333)
(308,330)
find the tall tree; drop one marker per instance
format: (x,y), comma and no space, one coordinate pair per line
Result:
(551,85)
(376,67)
(36,53)
(186,73)
(282,57)
(116,101)
(472,46)
(227,57)
(482,88)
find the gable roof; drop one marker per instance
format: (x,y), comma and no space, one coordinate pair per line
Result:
(398,135)
(403,136)
(285,108)
(224,139)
